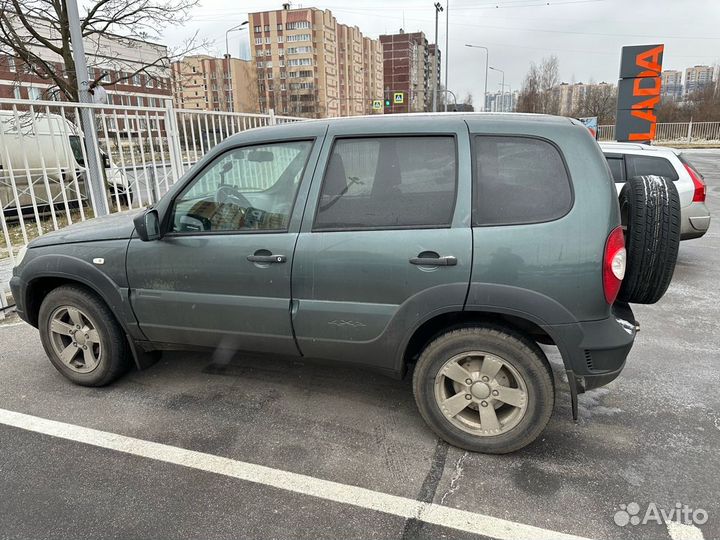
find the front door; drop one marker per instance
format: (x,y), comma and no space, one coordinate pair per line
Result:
(220,277)
(387,243)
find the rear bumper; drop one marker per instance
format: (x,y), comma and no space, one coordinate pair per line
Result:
(594,352)
(695,221)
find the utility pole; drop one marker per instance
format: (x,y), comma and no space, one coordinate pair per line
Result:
(502,91)
(447,42)
(436,75)
(94,171)
(487,63)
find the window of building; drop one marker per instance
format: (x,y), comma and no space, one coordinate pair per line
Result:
(150,83)
(193,69)
(258,29)
(298,37)
(136,79)
(267,27)
(388,182)
(518,180)
(267,40)
(34,93)
(11,64)
(300,62)
(268,52)
(280,39)
(279,27)
(647,165)
(16,92)
(245,189)
(140,101)
(258,41)
(297,25)
(299,50)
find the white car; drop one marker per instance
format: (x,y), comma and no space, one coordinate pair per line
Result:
(632,159)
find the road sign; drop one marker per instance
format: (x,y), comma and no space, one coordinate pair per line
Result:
(399,97)
(377,104)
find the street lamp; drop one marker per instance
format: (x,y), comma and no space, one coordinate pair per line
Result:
(436,76)
(503,84)
(487,62)
(227,43)
(447,45)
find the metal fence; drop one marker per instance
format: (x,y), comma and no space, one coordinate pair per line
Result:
(140,152)
(675,132)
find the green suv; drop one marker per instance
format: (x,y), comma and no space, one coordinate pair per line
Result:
(447,245)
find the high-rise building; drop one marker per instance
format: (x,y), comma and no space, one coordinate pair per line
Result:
(407,70)
(434,59)
(672,86)
(215,84)
(698,77)
(308,64)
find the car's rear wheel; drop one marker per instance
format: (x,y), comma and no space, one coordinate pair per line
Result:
(81,337)
(650,213)
(484,389)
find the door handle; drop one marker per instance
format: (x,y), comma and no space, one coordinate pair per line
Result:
(448,260)
(267,259)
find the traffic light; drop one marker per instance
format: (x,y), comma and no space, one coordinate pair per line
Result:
(388,103)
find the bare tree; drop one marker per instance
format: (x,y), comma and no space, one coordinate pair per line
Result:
(538,93)
(703,105)
(37,33)
(598,100)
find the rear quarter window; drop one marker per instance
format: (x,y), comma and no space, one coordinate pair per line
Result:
(650,165)
(518,180)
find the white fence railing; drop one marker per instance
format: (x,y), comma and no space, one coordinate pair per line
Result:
(677,132)
(140,151)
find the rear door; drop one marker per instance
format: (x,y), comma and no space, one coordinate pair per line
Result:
(386,240)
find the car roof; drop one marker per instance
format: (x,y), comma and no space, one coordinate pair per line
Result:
(620,147)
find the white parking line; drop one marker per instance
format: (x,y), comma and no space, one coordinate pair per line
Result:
(288,481)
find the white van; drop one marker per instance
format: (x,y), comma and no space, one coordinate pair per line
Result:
(37,146)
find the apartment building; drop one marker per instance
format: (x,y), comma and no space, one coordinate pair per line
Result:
(308,64)
(109,57)
(698,77)
(215,84)
(407,69)
(672,84)
(571,96)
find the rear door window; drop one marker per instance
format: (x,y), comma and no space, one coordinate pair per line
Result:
(387,183)
(650,165)
(518,180)
(617,168)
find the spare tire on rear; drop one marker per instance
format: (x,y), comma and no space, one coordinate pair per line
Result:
(650,212)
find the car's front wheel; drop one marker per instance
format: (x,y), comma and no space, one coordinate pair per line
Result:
(484,389)
(81,336)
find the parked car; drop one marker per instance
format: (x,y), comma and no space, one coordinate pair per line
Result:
(446,245)
(46,151)
(630,159)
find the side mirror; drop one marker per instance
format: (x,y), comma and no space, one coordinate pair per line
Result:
(147,225)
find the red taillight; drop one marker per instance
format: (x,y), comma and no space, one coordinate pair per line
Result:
(614,262)
(700,188)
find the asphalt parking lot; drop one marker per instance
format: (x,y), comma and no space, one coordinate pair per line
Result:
(651,438)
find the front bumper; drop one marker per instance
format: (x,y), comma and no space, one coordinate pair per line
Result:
(17,289)
(695,221)
(594,352)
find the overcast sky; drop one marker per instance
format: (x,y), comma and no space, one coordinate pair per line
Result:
(586,35)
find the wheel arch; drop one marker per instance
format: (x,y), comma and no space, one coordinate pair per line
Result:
(432,327)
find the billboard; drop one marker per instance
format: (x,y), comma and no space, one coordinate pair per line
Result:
(638,92)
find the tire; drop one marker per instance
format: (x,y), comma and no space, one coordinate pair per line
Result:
(517,426)
(102,352)
(650,210)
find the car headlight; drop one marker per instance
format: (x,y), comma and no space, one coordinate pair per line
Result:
(20,256)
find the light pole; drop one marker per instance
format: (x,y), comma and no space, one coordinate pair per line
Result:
(509,96)
(487,63)
(436,77)
(503,85)
(447,43)
(228,75)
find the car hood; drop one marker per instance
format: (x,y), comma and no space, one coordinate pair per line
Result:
(113,227)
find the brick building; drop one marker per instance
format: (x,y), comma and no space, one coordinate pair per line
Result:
(308,64)
(114,56)
(407,69)
(215,84)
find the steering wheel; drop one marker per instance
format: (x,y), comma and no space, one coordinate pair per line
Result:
(230,194)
